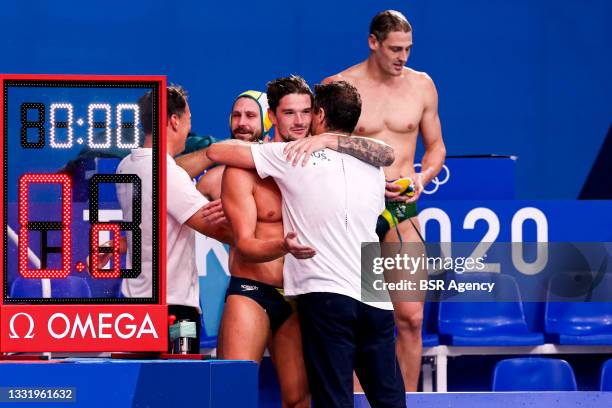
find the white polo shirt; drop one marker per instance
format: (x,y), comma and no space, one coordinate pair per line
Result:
(183,200)
(333,204)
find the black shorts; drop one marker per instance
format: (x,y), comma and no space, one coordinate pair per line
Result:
(268,297)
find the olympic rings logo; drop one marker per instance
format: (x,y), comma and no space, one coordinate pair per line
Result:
(435,181)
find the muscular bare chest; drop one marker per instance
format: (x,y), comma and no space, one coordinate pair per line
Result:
(386,112)
(268,200)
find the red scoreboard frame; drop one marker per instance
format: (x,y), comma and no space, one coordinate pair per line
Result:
(81,326)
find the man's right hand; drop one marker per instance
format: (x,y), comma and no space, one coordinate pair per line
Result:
(301,149)
(296,249)
(418,187)
(213,213)
(393,192)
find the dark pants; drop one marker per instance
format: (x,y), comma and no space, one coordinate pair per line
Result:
(187,313)
(341,334)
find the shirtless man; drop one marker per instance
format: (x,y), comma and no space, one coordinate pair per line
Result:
(333,204)
(256,314)
(397,103)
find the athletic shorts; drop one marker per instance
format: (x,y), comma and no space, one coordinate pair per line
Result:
(271,299)
(395,213)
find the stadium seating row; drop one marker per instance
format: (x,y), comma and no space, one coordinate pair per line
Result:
(462,321)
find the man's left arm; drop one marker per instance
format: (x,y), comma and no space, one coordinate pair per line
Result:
(366,149)
(431,135)
(267,159)
(232,152)
(195,163)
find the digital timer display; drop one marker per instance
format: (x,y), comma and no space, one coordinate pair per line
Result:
(50,231)
(73,227)
(61,116)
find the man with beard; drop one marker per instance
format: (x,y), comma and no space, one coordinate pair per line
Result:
(249,121)
(256,314)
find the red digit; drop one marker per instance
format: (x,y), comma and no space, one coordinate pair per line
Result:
(94,238)
(64,226)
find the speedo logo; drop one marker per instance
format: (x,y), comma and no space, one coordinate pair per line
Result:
(248,287)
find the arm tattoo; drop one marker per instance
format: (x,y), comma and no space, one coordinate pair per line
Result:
(367,149)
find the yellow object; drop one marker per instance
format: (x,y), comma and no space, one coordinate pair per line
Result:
(406,185)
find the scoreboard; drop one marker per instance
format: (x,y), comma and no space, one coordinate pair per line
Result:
(50,256)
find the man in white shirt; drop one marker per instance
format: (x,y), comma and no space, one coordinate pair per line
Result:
(400,104)
(332,204)
(187,211)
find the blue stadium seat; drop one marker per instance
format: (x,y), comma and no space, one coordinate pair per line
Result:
(478,319)
(71,287)
(533,374)
(606,376)
(584,322)
(429,338)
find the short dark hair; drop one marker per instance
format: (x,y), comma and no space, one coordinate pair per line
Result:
(176,102)
(341,103)
(280,87)
(388,21)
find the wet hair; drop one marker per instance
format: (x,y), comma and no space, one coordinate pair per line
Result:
(341,103)
(281,87)
(176,102)
(388,21)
